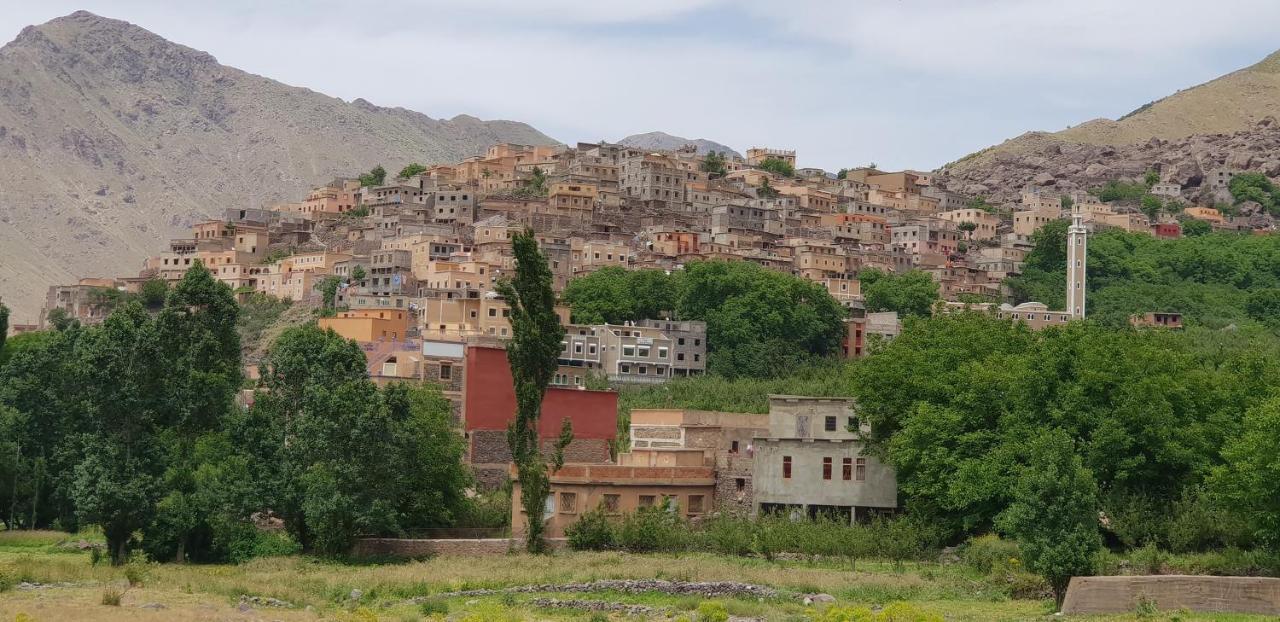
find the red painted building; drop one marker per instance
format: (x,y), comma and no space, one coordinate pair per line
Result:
(1167,230)
(489,405)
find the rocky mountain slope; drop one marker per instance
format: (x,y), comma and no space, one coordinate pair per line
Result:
(666,142)
(1224,122)
(1071,166)
(113,140)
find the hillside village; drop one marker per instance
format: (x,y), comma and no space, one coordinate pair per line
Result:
(407,266)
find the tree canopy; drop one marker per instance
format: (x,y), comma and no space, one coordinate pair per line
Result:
(758,320)
(778,165)
(411,170)
(375,177)
(910,293)
(714,164)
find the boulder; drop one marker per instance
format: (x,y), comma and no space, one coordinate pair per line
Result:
(1098,170)
(810,599)
(1043,179)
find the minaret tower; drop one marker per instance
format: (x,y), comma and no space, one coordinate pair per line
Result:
(1077,254)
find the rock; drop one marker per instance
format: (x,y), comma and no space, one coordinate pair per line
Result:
(1098,171)
(976,189)
(949,555)
(244,608)
(1043,179)
(810,599)
(1267,121)
(156,606)
(355,594)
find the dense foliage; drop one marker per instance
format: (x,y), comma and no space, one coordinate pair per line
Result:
(759,321)
(132,426)
(375,177)
(1214,280)
(410,170)
(910,293)
(533,353)
(778,165)
(714,164)
(1257,188)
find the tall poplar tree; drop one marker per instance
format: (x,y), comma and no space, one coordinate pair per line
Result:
(532,354)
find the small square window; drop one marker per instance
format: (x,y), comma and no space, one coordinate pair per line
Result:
(611,503)
(646,501)
(830,424)
(695,504)
(568,502)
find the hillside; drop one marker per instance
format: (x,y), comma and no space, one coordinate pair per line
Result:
(113,139)
(1236,102)
(662,141)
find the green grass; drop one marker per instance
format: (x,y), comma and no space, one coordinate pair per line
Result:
(191,592)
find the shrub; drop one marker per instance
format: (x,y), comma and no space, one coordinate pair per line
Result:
(434,607)
(591,532)
(728,535)
(1149,559)
(652,529)
(712,611)
(111,597)
(6,581)
(135,572)
(989,553)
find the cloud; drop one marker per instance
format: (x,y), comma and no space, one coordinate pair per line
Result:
(908,83)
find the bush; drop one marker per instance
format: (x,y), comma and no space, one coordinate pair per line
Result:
(1149,559)
(111,597)
(656,528)
(711,611)
(591,532)
(135,572)
(434,607)
(989,553)
(728,535)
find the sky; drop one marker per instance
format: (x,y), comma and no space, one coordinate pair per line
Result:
(899,83)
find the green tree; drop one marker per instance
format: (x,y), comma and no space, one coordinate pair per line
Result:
(1248,483)
(766,190)
(842,174)
(60,320)
(759,321)
(1256,187)
(1054,514)
(153,292)
(411,170)
(533,353)
(358,274)
(910,293)
(1193,227)
(1151,206)
(1151,178)
(714,164)
(4,325)
(968,228)
(536,185)
(1120,191)
(375,177)
(328,288)
(1066,203)
(778,166)
(615,295)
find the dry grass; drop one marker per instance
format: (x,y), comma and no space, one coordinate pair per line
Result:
(212,592)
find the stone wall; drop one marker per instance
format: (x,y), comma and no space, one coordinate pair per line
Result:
(1260,595)
(490,456)
(410,549)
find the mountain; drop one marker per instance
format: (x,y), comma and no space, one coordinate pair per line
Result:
(661,141)
(113,140)
(1236,102)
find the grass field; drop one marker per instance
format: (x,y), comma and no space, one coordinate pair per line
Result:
(72,588)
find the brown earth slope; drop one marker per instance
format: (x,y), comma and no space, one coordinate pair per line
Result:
(1234,102)
(113,139)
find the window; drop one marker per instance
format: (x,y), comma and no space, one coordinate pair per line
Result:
(592,348)
(446,371)
(826,468)
(862,469)
(830,424)
(695,504)
(493,312)
(854,424)
(786,467)
(568,502)
(626,369)
(611,503)
(577,347)
(628,351)
(680,341)
(662,353)
(733,447)
(740,483)
(643,370)
(643,351)
(646,501)
(846,469)
(679,356)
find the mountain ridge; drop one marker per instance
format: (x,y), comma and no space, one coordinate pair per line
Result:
(663,141)
(114,139)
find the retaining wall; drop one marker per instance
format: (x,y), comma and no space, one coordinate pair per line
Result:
(1259,595)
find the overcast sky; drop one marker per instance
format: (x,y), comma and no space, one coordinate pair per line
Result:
(906,84)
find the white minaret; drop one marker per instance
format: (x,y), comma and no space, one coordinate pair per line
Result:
(1077,254)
